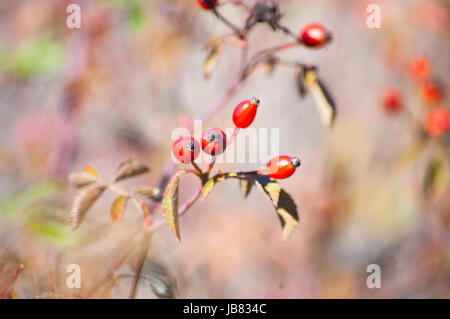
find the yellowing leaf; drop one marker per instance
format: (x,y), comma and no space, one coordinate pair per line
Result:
(212,59)
(129,169)
(269,186)
(207,188)
(90,170)
(322,98)
(284,204)
(170,204)
(117,208)
(83,202)
(287,212)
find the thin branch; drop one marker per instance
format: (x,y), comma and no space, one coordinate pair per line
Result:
(144,246)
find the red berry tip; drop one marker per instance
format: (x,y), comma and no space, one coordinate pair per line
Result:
(255,101)
(296,162)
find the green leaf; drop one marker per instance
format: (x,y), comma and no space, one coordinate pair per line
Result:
(170,204)
(435,179)
(15,204)
(55,233)
(37,57)
(207,188)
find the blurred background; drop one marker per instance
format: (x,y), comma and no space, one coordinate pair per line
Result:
(372,190)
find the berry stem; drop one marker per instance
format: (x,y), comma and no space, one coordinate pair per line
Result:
(209,167)
(233,136)
(235,29)
(197,168)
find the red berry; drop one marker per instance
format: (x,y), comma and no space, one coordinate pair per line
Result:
(430,92)
(392,100)
(214,141)
(207,4)
(419,68)
(281,167)
(314,35)
(185,149)
(244,113)
(438,122)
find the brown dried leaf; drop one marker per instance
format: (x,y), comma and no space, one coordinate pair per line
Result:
(212,59)
(170,204)
(129,169)
(81,179)
(117,208)
(246,185)
(149,191)
(83,202)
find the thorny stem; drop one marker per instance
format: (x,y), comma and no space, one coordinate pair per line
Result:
(5,288)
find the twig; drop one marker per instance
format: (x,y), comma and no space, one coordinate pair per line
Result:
(145,244)
(5,288)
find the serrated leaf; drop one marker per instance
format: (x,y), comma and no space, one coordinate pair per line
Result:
(129,169)
(83,202)
(170,204)
(269,186)
(212,59)
(81,179)
(246,185)
(207,188)
(117,208)
(283,202)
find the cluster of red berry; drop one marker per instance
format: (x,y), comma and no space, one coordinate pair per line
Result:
(438,117)
(214,142)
